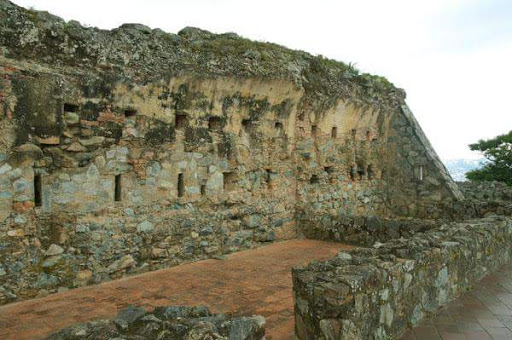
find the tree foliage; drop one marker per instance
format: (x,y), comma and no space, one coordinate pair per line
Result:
(498,151)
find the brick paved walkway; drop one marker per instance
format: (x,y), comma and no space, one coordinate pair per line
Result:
(483,313)
(256,281)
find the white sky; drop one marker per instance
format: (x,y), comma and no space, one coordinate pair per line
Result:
(453,57)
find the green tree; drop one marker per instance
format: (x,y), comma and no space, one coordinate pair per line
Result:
(499,153)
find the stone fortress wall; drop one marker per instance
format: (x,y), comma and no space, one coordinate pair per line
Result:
(133,149)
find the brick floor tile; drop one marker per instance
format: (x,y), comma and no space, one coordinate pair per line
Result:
(501,310)
(506,320)
(478,336)
(448,329)
(452,336)
(500,333)
(442,320)
(426,333)
(470,326)
(409,335)
(493,322)
(483,314)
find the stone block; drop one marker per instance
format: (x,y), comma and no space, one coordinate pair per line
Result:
(145,227)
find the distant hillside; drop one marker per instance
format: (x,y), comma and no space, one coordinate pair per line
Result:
(458,167)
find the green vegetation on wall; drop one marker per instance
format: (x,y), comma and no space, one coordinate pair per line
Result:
(498,151)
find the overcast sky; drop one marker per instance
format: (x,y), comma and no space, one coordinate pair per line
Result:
(453,57)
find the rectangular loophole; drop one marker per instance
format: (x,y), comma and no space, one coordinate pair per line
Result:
(334,132)
(180,121)
(203,190)
(229,153)
(247,124)
(181,186)
(361,171)
(314,179)
(71,107)
(370,171)
(278,126)
(38,188)
(228,181)
(268,178)
(420,173)
(117,189)
(313,130)
(214,124)
(130,113)
(353,172)
(329,169)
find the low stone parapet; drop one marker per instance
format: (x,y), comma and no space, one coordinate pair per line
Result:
(362,230)
(486,191)
(174,322)
(378,292)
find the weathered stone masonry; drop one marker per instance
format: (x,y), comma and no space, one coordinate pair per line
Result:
(487,191)
(173,322)
(134,149)
(379,291)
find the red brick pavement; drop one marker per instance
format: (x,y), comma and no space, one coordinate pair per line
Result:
(480,314)
(256,281)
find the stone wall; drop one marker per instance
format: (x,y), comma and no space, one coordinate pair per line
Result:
(472,208)
(377,292)
(486,191)
(135,149)
(72,250)
(174,322)
(366,231)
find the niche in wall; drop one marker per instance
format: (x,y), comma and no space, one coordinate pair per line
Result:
(180,121)
(268,178)
(353,172)
(130,113)
(370,171)
(361,171)
(313,130)
(117,189)
(247,125)
(419,173)
(71,107)
(214,124)
(181,186)
(278,126)
(38,190)
(229,181)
